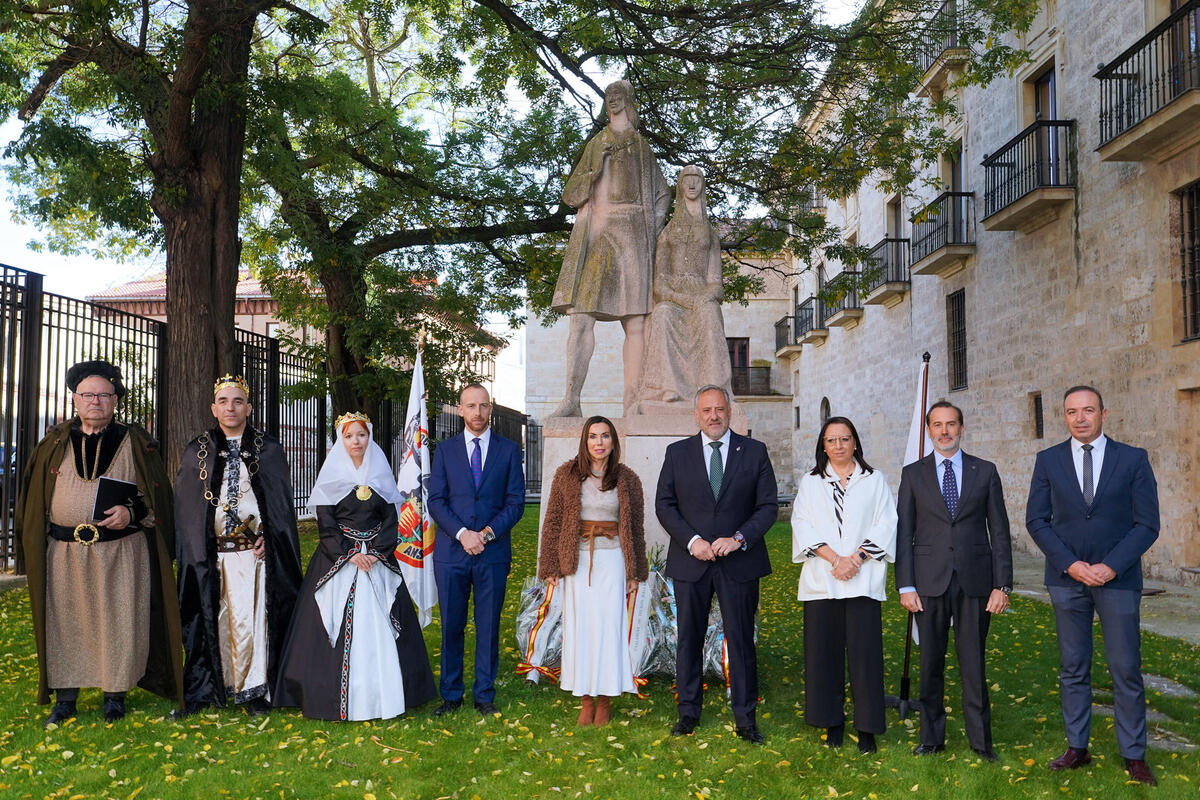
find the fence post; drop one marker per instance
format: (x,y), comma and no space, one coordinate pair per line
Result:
(271,401)
(162,411)
(29,387)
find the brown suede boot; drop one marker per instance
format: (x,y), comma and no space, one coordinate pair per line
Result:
(602,711)
(586,711)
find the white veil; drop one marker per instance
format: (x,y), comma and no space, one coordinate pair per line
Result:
(338,475)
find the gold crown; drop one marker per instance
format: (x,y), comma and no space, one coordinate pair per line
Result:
(351,416)
(231,382)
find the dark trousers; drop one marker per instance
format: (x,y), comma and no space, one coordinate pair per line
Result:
(1120,617)
(738,602)
(837,632)
(455,582)
(971,621)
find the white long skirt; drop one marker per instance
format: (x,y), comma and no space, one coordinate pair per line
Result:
(242,625)
(595,648)
(372,685)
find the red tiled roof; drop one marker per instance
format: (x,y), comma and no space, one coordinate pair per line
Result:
(155,288)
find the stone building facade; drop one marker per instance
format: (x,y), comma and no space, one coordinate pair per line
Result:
(1066,251)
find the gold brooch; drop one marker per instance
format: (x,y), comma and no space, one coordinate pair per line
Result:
(363,493)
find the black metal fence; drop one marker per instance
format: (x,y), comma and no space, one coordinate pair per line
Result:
(785,332)
(810,316)
(888,264)
(940,35)
(1155,70)
(948,219)
(841,293)
(1042,155)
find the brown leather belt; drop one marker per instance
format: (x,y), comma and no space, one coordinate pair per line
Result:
(88,534)
(590,529)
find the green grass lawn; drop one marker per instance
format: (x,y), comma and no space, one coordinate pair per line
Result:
(535,749)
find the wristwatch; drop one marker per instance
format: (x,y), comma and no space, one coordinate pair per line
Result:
(1006,589)
(862,556)
(741,540)
(489,535)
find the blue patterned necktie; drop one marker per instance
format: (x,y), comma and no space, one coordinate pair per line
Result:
(477,463)
(716,470)
(1089,489)
(949,488)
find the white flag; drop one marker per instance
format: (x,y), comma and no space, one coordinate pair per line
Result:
(416,532)
(919,443)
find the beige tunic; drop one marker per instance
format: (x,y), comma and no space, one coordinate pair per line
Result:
(97,596)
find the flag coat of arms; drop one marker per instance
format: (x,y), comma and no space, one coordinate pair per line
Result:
(416,531)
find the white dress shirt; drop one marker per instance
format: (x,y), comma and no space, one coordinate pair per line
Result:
(1097,459)
(485,439)
(724,451)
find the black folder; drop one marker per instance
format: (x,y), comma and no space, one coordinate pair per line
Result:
(112,492)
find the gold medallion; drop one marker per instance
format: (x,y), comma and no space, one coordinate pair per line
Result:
(363,493)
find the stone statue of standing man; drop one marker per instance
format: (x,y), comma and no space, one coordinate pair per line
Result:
(622,203)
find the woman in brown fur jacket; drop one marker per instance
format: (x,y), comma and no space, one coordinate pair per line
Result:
(594,551)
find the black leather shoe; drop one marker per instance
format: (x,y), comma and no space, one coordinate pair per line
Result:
(685,726)
(1140,771)
(61,712)
(928,749)
(187,710)
(866,743)
(258,707)
(987,755)
(1071,759)
(114,709)
(447,707)
(751,734)
(487,708)
(834,735)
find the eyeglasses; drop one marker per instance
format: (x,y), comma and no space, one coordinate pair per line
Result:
(90,396)
(832,440)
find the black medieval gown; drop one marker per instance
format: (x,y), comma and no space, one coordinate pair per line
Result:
(354,676)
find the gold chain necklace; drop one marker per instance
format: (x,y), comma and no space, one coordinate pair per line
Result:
(202,463)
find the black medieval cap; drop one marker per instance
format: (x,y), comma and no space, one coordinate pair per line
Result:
(100,369)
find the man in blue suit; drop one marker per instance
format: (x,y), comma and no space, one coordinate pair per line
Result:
(1093,511)
(476,495)
(717,499)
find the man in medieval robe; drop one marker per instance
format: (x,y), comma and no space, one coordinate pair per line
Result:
(608,268)
(96,531)
(239,557)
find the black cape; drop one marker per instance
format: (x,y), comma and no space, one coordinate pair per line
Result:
(196,551)
(310,671)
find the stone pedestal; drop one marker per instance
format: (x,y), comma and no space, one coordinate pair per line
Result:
(644,441)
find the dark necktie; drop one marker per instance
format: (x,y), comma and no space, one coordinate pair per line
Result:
(949,488)
(1089,491)
(233,483)
(477,463)
(716,470)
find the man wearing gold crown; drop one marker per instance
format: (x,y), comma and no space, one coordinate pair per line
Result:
(94,523)
(239,556)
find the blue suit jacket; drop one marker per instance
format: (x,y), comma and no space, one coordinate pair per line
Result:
(747,502)
(455,503)
(1119,525)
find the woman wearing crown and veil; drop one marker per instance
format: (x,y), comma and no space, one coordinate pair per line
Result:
(355,649)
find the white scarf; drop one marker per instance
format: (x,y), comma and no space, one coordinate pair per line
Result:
(338,475)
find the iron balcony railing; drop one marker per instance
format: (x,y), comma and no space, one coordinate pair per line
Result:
(940,35)
(842,292)
(1042,155)
(785,332)
(810,316)
(751,380)
(888,263)
(1158,68)
(948,219)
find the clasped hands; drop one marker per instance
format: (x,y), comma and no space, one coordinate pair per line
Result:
(363,561)
(472,541)
(711,551)
(1091,574)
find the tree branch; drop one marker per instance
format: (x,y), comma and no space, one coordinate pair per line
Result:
(464,234)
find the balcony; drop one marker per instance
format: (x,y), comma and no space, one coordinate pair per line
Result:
(1150,94)
(753,381)
(1029,180)
(889,273)
(813,201)
(843,310)
(944,234)
(787,344)
(810,322)
(940,52)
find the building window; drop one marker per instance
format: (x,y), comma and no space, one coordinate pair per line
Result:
(739,352)
(796,411)
(1189,217)
(825,413)
(273,330)
(1039,419)
(956,338)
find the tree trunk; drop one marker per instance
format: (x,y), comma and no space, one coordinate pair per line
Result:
(345,292)
(197,201)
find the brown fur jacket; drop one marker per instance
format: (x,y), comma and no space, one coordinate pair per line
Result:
(559,552)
